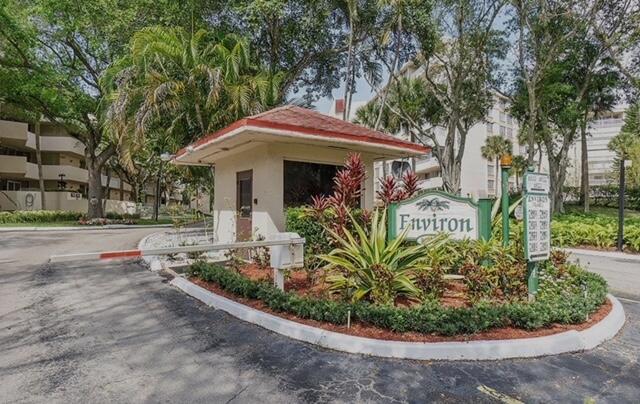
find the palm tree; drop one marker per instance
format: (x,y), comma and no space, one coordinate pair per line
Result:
(188,84)
(495,147)
(520,166)
(626,145)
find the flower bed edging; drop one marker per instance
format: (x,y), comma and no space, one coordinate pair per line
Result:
(568,341)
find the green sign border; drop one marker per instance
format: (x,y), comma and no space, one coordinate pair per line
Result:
(393,207)
(525,210)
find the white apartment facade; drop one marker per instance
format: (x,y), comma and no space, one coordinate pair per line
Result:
(63,168)
(478,176)
(600,132)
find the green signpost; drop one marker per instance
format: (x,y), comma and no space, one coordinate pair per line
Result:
(505,165)
(537,225)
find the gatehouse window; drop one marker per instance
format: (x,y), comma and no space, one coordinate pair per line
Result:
(303,180)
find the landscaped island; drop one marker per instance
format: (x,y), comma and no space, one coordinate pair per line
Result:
(441,287)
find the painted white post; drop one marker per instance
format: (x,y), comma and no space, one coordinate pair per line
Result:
(284,256)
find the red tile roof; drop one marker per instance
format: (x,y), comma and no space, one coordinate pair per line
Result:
(305,121)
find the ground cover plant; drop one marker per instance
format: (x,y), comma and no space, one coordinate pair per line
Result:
(594,230)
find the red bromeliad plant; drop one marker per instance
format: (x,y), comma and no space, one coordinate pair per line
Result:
(347,190)
(410,185)
(392,191)
(389,191)
(319,204)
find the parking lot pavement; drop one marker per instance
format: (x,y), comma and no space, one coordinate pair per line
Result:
(117,332)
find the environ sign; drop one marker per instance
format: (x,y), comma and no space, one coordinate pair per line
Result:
(433,212)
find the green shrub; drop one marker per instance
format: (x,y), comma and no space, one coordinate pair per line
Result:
(49,216)
(39,216)
(298,220)
(569,302)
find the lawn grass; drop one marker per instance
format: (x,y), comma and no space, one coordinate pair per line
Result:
(600,211)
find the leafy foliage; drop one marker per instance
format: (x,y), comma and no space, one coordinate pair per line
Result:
(366,266)
(39,216)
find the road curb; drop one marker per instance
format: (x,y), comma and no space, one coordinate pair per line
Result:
(76,228)
(569,341)
(604,254)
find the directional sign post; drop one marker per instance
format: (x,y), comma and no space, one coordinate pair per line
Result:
(537,225)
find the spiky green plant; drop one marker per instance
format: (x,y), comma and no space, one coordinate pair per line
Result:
(367,266)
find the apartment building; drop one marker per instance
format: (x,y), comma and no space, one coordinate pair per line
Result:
(63,168)
(478,177)
(600,132)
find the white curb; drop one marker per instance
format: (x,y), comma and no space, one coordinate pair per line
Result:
(569,341)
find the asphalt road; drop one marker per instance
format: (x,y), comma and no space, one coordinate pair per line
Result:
(116,332)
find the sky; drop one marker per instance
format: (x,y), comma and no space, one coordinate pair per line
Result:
(363,93)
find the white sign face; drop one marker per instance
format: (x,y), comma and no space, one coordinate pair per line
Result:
(434,213)
(519,212)
(537,183)
(537,221)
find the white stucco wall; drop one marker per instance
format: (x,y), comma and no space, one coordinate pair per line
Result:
(267,163)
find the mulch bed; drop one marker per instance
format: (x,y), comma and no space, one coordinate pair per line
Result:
(454,296)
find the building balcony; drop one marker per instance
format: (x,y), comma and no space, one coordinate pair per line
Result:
(426,165)
(13,133)
(63,144)
(75,174)
(13,165)
(430,183)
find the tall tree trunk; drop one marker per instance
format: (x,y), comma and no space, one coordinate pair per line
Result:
(347,81)
(531,125)
(584,166)
(539,158)
(107,195)
(557,175)
(392,73)
(43,204)
(94,188)
(156,204)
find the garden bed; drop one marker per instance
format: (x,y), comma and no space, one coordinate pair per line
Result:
(452,317)
(360,329)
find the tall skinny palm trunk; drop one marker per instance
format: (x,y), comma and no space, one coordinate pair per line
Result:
(43,204)
(584,167)
(347,83)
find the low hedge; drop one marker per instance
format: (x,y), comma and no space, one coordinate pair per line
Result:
(430,317)
(39,216)
(50,216)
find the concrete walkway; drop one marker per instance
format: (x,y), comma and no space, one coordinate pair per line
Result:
(622,271)
(115,332)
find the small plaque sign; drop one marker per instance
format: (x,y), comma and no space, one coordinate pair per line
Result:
(537,183)
(434,212)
